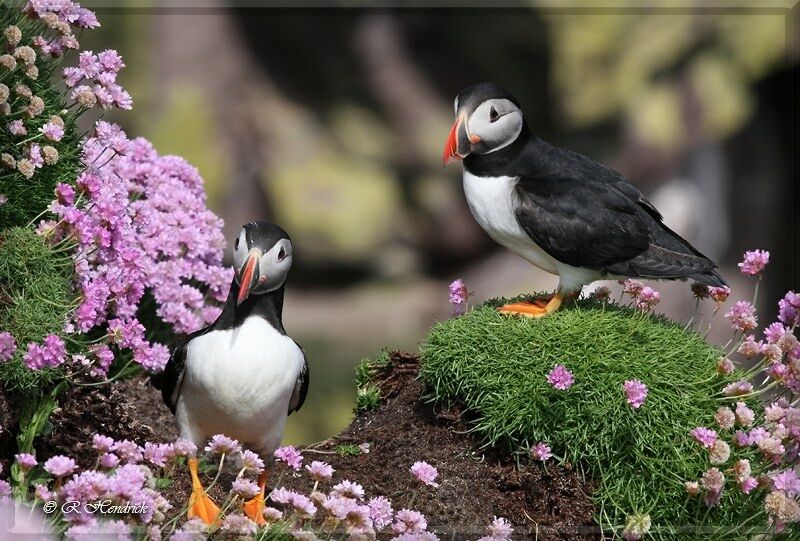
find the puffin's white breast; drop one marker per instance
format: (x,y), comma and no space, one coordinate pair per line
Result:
(239,382)
(492,201)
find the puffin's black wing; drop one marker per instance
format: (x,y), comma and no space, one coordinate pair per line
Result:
(590,216)
(170,380)
(300,387)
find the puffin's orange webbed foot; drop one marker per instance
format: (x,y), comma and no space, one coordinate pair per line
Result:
(200,504)
(534,309)
(254,508)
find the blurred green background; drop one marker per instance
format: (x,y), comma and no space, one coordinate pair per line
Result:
(331,122)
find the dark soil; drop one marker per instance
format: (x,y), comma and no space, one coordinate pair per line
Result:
(542,502)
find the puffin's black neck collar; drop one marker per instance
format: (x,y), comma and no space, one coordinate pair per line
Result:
(510,161)
(268,306)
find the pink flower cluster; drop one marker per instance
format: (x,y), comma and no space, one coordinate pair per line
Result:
(7,346)
(425,473)
(140,224)
(52,353)
(635,392)
(754,262)
(65,11)
(98,72)
(743,316)
(458,296)
(560,378)
(290,456)
(645,298)
(346,505)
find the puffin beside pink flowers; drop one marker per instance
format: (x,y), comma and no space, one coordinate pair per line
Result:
(559,210)
(242,375)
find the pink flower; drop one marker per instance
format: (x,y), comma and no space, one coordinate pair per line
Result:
(632,287)
(541,451)
(744,415)
(747,484)
(788,308)
(704,436)
(719,294)
(183,447)
(7,346)
(59,466)
(16,127)
(157,454)
(272,515)
(560,378)
(408,521)
(380,512)
(425,473)
(128,452)
(725,366)
(53,353)
(787,481)
(251,461)
(750,348)
(238,524)
(221,444)
(52,131)
(348,489)
(754,262)
(743,316)
(25,461)
(245,488)
(320,471)
(290,456)
(738,388)
(635,392)
(500,529)
(647,299)
(458,296)
(109,461)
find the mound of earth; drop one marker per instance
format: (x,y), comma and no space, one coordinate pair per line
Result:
(542,501)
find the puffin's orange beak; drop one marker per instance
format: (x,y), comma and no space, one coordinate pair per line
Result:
(458,142)
(249,276)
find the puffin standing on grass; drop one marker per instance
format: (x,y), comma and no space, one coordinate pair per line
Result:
(241,376)
(559,210)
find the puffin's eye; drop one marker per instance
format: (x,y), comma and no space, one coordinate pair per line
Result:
(236,244)
(281,254)
(493,114)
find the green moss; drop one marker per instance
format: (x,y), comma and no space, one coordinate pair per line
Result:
(497,367)
(368,368)
(35,297)
(367,398)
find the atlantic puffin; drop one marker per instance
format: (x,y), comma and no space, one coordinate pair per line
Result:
(242,375)
(559,210)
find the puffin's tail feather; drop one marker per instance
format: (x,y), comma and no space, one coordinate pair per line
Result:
(711,278)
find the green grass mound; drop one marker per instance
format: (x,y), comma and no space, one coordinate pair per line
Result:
(35,297)
(497,367)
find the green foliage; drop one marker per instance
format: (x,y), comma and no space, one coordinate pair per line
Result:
(368,368)
(497,367)
(367,398)
(348,450)
(35,297)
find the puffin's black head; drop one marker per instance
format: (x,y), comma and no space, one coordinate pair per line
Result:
(262,256)
(488,118)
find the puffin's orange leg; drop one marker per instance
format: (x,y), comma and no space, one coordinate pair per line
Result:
(200,504)
(533,309)
(254,508)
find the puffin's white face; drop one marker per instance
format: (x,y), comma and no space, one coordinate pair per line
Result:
(260,269)
(496,123)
